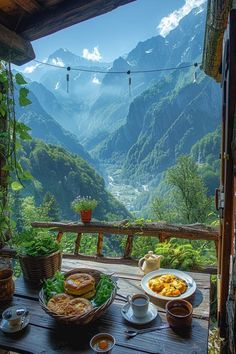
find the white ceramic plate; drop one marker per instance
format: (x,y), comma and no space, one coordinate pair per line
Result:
(127,313)
(189,280)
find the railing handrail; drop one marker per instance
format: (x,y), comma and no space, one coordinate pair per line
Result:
(154,229)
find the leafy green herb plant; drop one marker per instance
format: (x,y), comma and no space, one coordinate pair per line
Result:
(37,243)
(53,286)
(104,290)
(83,203)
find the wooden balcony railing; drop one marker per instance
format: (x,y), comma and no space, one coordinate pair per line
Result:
(160,230)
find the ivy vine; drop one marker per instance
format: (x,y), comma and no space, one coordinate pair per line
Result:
(12,134)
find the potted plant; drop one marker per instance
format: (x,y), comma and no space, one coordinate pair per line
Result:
(84,206)
(39,255)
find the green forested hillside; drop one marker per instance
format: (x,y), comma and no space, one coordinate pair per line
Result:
(207,153)
(66,176)
(163,123)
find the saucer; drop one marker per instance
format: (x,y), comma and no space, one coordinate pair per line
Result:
(128,315)
(4,325)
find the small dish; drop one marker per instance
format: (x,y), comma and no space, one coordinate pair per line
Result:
(102,343)
(128,314)
(6,328)
(179,313)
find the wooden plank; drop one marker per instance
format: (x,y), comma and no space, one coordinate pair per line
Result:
(69,339)
(14,48)
(29,6)
(65,14)
(126,261)
(193,232)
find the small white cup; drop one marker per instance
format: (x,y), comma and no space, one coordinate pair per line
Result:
(14,316)
(139,304)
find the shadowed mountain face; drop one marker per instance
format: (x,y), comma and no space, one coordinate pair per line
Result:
(142,128)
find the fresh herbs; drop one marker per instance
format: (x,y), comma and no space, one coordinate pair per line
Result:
(83,203)
(54,285)
(37,243)
(104,290)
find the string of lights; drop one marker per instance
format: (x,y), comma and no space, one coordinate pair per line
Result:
(69,68)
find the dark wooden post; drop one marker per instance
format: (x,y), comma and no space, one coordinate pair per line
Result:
(128,246)
(100,244)
(77,243)
(227,223)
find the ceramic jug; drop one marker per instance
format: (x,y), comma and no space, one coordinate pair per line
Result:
(150,262)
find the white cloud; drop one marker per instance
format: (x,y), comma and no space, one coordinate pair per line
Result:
(57,61)
(29,69)
(96,80)
(95,55)
(171,21)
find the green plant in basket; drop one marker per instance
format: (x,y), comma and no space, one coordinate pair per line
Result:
(83,203)
(39,255)
(37,243)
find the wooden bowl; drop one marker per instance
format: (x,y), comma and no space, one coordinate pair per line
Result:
(179,313)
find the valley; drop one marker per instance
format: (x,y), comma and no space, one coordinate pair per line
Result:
(131,140)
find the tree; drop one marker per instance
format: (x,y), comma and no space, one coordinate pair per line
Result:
(189,192)
(16,202)
(51,207)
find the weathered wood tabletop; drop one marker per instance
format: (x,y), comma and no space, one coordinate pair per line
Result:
(44,335)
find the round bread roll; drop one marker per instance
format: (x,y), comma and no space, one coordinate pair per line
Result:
(90,294)
(77,307)
(79,284)
(58,302)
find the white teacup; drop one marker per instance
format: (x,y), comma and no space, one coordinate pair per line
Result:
(14,316)
(139,304)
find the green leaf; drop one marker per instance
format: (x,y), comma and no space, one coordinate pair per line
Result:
(16,186)
(20,79)
(23,100)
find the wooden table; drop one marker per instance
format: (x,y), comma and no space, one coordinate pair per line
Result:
(44,335)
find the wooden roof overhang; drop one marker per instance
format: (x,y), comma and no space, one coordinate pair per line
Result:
(23,21)
(216,23)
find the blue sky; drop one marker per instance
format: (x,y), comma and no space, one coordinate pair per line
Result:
(115,33)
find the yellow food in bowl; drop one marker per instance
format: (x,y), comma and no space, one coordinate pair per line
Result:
(168,285)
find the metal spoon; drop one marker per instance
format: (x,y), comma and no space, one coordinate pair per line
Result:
(133,333)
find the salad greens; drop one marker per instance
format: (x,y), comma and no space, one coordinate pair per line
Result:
(54,285)
(103,290)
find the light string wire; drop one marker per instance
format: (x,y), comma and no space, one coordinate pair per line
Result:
(117,72)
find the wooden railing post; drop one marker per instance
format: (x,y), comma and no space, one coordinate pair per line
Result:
(77,243)
(128,246)
(100,244)
(59,236)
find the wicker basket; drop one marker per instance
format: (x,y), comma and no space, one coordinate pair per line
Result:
(95,313)
(38,268)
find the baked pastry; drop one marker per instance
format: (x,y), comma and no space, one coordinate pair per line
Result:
(58,302)
(79,284)
(77,307)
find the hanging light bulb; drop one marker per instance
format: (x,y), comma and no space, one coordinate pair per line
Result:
(67,78)
(128,73)
(195,73)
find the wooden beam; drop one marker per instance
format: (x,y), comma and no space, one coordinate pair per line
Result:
(65,14)
(13,48)
(155,229)
(29,6)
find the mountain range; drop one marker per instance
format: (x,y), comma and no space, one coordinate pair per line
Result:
(138,123)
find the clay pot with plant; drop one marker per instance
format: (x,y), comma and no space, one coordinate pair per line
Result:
(84,206)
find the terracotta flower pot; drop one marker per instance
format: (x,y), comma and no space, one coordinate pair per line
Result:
(7,285)
(86,215)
